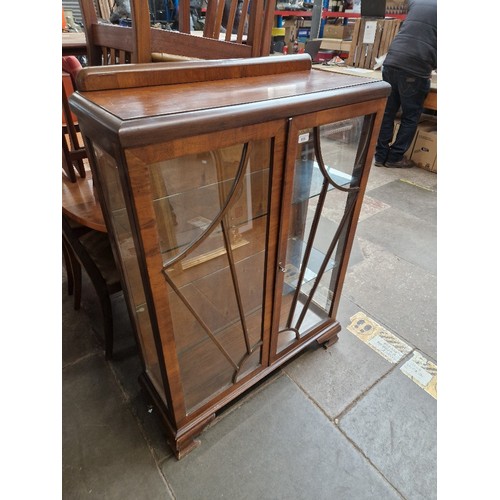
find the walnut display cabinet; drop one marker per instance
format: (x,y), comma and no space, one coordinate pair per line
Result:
(231,190)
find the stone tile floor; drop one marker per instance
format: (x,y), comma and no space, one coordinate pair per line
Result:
(343,423)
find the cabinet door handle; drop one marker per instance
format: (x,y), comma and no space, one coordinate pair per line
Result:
(281,267)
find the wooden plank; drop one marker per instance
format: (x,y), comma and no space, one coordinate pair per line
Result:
(383,42)
(374,48)
(364,55)
(105,9)
(370,48)
(388,37)
(354,43)
(361,56)
(391,30)
(361,53)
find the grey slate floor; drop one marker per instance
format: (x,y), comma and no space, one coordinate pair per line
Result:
(345,423)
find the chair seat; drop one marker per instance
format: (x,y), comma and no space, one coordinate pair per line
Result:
(91,250)
(97,246)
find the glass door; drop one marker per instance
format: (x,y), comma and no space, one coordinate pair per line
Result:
(211,210)
(328,162)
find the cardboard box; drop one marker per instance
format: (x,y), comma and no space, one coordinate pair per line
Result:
(338,31)
(290,32)
(427,124)
(425,149)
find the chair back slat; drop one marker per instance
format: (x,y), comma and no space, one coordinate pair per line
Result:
(244,22)
(184,16)
(230,21)
(102,38)
(247,28)
(73,150)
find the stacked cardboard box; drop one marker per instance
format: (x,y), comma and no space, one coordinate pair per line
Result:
(295,31)
(423,149)
(338,31)
(290,26)
(424,152)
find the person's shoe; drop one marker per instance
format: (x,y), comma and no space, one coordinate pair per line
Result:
(403,163)
(379,163)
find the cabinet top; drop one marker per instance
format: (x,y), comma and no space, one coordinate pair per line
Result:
(129,99)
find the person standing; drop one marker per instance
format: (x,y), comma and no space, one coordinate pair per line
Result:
(410,60)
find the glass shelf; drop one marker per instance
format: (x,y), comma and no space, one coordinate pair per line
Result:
(309,180)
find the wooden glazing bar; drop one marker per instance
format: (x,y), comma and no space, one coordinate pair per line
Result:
(198,241)
(200,321)
(321,164)
(307,253)
(345,218)
(234,278)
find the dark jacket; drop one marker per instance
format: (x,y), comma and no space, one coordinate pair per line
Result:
(414,49)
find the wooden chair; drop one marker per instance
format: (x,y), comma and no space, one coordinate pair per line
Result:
(73,150)
(82,244)
(140,43)
(113,44)
(251,22)
(92,250)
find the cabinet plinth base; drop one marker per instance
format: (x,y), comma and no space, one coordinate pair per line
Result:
(180,441)
(188,442)
(331,337)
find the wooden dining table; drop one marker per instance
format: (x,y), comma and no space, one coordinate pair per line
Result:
(80,203)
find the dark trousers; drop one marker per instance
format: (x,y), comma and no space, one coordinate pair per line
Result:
(409,93)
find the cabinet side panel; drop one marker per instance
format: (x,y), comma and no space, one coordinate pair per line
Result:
(108,175)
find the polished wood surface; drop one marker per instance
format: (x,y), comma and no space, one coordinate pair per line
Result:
(336,44)
(175,99)
(187,72)
(80,204)
(181,110)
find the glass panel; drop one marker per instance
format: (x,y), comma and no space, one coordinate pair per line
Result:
(108,173)
(320,216)
(211,213)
